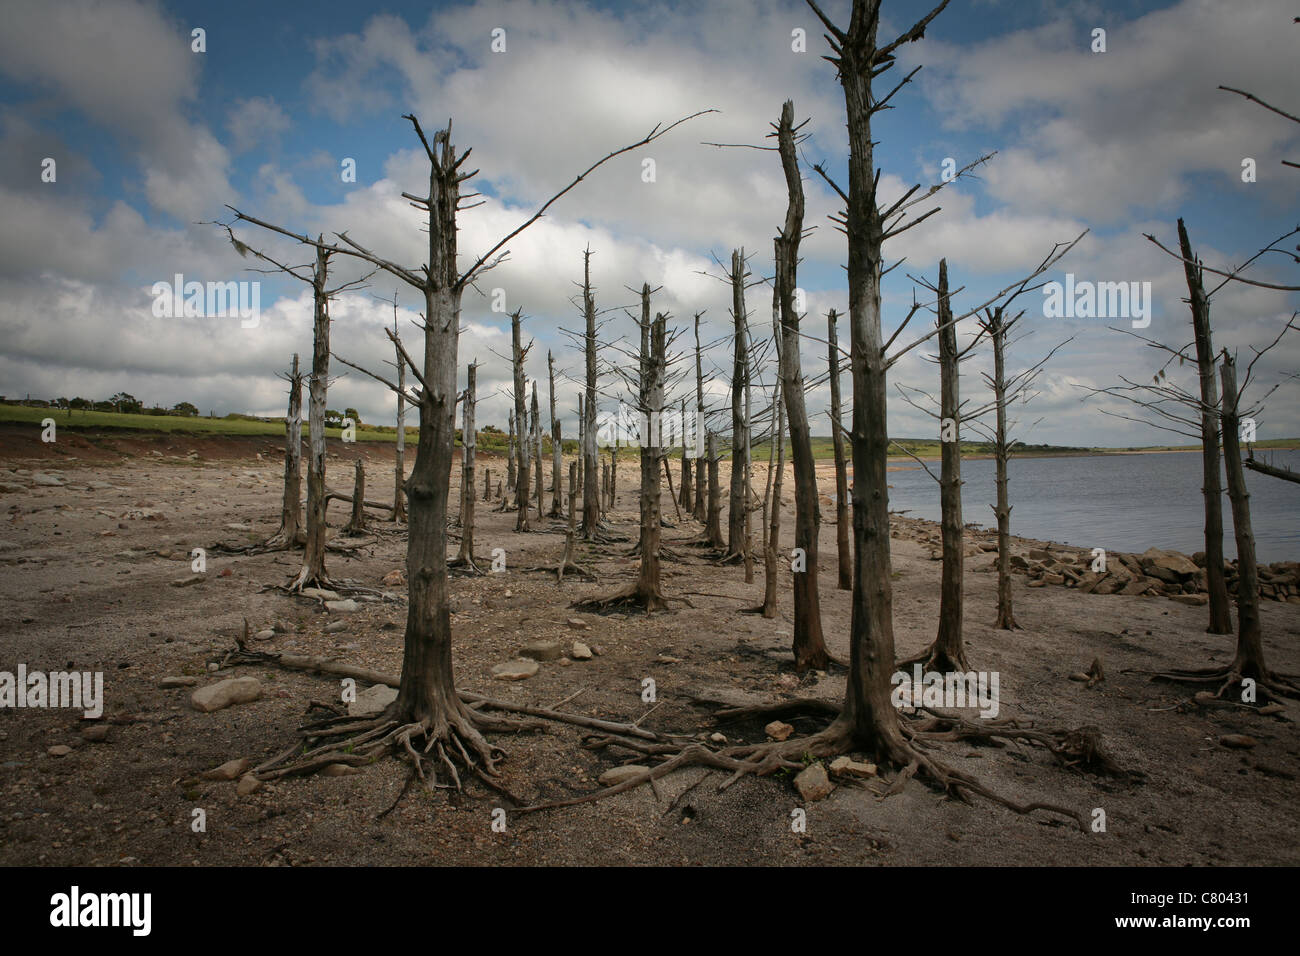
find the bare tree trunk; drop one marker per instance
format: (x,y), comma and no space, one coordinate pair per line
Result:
(487,484)
(713,522)
(949,652)
(357,524)
(557,450)
(1249,659)
(701,509)
(808,644)
(613,477)
(590,491)
(582,441)
(653,363)
(313,558)
(686,495)
(1211,490)
(537,453)
(399,466)
(522,453)
(772,505)
(1001,452)
(738,500)
(469,441)
(844,552)
(512,460)
(290,533)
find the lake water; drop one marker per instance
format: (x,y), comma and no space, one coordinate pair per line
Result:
(1117,502)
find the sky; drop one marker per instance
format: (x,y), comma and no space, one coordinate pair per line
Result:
(152,139)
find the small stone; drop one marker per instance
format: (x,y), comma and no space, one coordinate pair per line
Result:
(848,767)
(718,738)
(320,593)
(334,627)
(186,582)
(394,579)
(167,683)
(778,730)
(95,733)
(813,784)
(617,775)
(1191,600)
(248,784)
(577,623)
(340,770)
(47,481)
(580,651)
(232,690)
(1036,583)
(236,526)
(542,651)
(230,770)
(1080,677)
(264,635)
(59,750)
(372,700)
(1238,741)
(342,607)
(515,670)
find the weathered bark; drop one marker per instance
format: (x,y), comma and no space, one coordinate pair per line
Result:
(313,559)
(537,453)
(557,465)
(522,453)
(700,508)
(843,550)
(613,477)
(997,327)
(1211,489)
(290,532)
(653,339)
(1273,471)
(949,653)
(487,484)
(713,517)
(512,460)
(772,504)
(591,504)
(738,500)
(582,440)
(1249,659)
(399,466)
(357,524)
(469,443)
(808,644)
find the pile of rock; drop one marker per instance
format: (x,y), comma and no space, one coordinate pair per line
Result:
(1153,572)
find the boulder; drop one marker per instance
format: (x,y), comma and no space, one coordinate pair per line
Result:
(778,730)
(1172,561)
(813,784)
(342,607)
(542,651)
(515,670)
(372,700)
(847,767)
(616,775)
(580,651)
(225,693)
(230,770)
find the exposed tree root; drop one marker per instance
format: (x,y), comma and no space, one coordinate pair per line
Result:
(1230,678)
(935,658)
(560,570)
(467,565)
(629,599)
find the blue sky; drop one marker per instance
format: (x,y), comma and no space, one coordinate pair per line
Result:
(152,139)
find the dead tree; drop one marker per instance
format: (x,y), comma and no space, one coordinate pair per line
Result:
(429,722)
(357,524)
(1273,471)
(536,445)
(512,460)
(557,467)
(808,644)
(772,499)
(523,454)
(843,551)
(469,444)
(290,533)
(685,490)
(646,594)
(582,441)
(591,504)
(738,501)
(700,509)
(713,515)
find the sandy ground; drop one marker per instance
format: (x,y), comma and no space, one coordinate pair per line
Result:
(83,586)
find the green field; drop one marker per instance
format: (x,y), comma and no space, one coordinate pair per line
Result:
(495,442)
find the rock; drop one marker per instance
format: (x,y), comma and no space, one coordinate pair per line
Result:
(1136,586)
(59,750)
(236,526)
(617,775)
(372,700)
(1089,581)
(225,693)
(1192,600)
(248,784)
(394,579)
(342,607)
(542,651)
(10,546)
(95,733)
(1268,710)
(577,623)
(717,738)
(515,670)
(168,683)
(43,480)
(1081,677)
(778,730)
(580,651)
(320,593)
(1054,578)
(264,635)
(340,770)
(847,767)
(9,488)
(1036,583)
(813,784)
(1238,741)
(230,770)
(1179,564)
(334,627)
(186,582)
(1040,554)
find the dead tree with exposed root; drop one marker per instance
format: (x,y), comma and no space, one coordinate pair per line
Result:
(465,558)
(290,534)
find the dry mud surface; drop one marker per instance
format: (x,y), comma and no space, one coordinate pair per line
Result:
(83,586)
